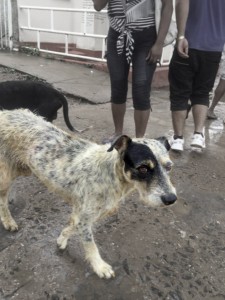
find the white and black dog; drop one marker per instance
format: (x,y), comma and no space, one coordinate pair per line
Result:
(93,178)
(40,98)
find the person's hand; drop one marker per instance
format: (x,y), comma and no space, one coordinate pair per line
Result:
(154,54)
(99,4)
(182,47)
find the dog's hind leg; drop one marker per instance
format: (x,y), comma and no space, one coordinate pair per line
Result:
(5,182)
(67,232)
(5,215)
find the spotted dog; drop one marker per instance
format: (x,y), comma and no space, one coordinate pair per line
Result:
(93,178)
(40,98)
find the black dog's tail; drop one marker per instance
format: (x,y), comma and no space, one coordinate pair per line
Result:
(66,115)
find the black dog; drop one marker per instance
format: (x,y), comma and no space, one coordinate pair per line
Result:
(40,98)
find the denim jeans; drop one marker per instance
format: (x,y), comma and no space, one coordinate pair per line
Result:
(142,72)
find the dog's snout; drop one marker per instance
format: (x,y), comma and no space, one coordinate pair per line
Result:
(169,199)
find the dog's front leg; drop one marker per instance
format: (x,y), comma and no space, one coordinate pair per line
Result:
(5,215)
(100,267)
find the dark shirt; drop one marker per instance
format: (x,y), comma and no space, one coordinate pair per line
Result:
(205,29)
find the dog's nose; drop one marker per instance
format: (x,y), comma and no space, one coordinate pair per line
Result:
(169,199)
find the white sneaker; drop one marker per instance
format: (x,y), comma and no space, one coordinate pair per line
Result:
(177,144)
(198,140)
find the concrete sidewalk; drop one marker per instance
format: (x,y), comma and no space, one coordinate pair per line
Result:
(72,78)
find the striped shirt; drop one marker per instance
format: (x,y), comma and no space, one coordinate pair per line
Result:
(126,16)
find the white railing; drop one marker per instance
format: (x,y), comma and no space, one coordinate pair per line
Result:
(5,24)
(66,34)
(52,29)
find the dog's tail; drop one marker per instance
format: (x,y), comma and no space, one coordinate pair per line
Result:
(66,115)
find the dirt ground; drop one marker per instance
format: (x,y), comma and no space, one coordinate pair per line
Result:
(177,253)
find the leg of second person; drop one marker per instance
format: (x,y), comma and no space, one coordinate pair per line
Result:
(180,79)
(204,81)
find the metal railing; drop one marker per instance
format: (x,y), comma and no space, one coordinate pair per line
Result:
(6,24)
(66,34)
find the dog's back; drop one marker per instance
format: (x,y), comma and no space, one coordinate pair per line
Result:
(40,98)
(37,144)
(22,130)
(23,94)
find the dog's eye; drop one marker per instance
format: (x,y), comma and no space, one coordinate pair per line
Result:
(143,169)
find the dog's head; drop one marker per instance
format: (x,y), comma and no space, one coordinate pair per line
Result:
(147,165)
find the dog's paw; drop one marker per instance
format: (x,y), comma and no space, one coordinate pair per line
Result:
(103,270)
(10,225)
(61,242)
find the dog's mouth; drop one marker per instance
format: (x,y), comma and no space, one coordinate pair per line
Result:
(157,199)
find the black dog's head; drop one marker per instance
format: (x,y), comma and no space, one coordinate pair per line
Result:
(147,164)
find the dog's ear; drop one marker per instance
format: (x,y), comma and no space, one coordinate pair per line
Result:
(164,141)
(120,143)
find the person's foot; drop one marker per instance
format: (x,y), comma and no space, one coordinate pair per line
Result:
(176,144)
(198,140)
(211,115)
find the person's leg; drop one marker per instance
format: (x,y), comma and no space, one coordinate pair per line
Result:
(199,115)
(142,76)
(180,78)
(220,89)
(178,121)
(203,84)
(118,71)
(218,94)
(118,113)
(141,118)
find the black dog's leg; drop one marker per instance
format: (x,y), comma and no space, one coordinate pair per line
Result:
(48,110)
